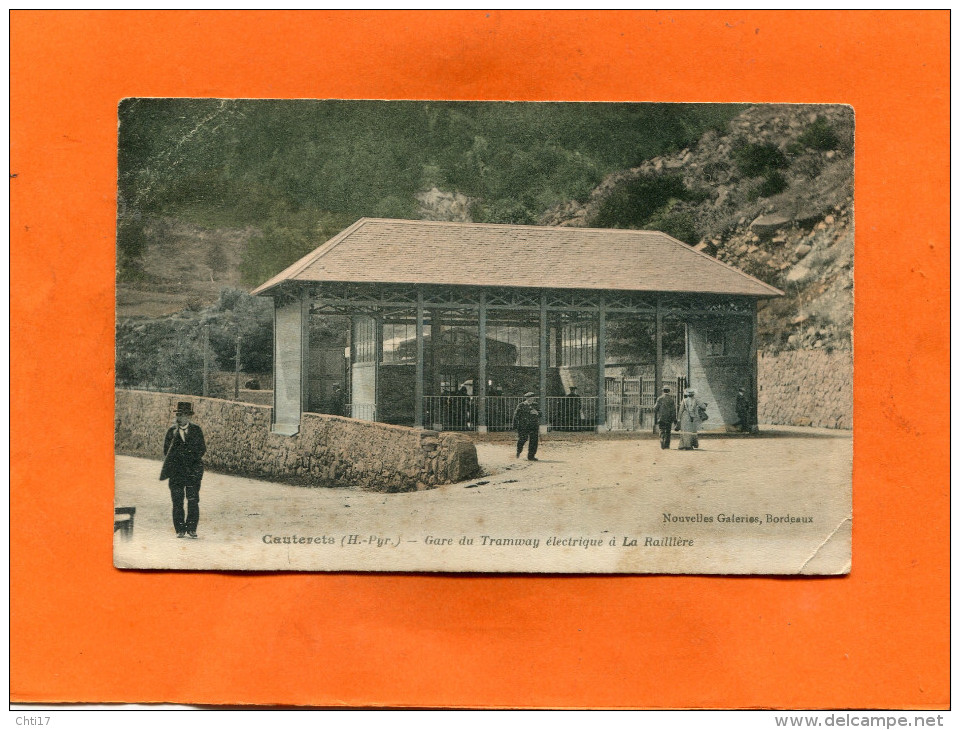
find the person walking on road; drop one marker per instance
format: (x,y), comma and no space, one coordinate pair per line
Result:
(526,420)
(183,450)
(692,413)
(665,416)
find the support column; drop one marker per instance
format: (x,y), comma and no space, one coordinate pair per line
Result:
(436,334)
(290,350)
(418,383)
(377,359)
(363,367)
(658,363)
(558,340)
(544,335)
(601,366)
(348,375)
(481,390)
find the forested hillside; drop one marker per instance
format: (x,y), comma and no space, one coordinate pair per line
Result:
(283,176)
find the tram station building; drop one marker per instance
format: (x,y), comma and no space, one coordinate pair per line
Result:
(451,323)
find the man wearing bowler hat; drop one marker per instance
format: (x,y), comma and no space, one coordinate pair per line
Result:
(183,450)
(526,419)
(665,416)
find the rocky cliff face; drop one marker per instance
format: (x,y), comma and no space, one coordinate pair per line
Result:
(774,197)
(435,205)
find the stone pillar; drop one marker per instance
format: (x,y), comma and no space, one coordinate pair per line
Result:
(290,351)
(721,358)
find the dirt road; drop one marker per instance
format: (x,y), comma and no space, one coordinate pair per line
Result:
(775,503)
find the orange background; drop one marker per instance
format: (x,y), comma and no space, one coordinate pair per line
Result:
(81,630)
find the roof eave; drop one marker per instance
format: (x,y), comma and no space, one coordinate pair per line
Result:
(271,289)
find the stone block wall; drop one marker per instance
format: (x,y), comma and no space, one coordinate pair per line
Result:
(328,450)
(806,388)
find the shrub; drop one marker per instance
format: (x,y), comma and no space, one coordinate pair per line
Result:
(819,135)
(631,205)
(394,206)
(698,194)
(754,160)
(808,166)
(503,211)
(772,184)
(675,222)
(164,355)
(251,318)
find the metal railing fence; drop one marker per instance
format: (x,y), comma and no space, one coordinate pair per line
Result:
(362,411)
(461,412)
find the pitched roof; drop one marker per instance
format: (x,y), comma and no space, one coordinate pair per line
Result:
(377,250)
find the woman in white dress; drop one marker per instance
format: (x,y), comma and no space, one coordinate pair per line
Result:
(690,418)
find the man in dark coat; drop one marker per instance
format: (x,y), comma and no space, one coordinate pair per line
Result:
(665,416)
(183,450)
(526,419)
(571,410)
(337,401)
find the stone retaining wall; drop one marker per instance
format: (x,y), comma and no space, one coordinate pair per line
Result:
(806,388)
(328,451)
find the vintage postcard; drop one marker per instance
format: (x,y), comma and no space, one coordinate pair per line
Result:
(484,337)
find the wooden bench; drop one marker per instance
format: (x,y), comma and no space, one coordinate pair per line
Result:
(123,521)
